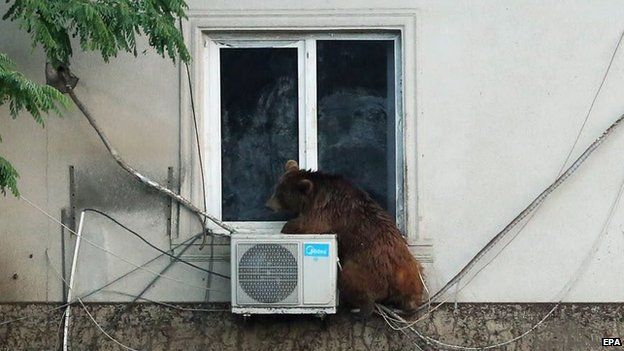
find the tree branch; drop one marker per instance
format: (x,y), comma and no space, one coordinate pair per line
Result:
(140,177)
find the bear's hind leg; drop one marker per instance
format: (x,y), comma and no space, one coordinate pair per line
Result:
(355,289)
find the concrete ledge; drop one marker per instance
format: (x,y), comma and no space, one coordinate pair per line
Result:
(154,327)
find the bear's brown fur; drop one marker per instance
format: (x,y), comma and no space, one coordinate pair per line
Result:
(376,263)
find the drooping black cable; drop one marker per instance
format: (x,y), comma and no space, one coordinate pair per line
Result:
(152,245)
(199,153)
(201,169)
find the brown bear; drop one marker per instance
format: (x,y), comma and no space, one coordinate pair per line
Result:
(377,265)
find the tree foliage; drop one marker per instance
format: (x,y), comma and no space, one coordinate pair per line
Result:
(8,177)
(104,26)
(23,94)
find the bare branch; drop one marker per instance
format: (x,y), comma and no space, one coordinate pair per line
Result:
(143,179)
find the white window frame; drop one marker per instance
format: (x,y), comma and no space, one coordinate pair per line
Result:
(307,102)
(208,21)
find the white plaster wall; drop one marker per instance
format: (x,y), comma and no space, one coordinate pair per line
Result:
(502,90)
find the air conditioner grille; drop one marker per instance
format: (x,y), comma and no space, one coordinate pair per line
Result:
(268,273)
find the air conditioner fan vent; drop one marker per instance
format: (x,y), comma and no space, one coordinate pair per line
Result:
(268,273)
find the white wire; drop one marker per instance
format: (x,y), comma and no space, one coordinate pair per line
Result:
(35,316)
(59,342)
(390,321)
(595,97)
(56,272)
(430,340)
(594,248)
(383,312)
(102,329)
(408,324)
(112,253)
(422,280)
(183,309)
(59,275)
(565,290)
(565,162)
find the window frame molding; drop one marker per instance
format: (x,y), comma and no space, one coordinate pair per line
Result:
(287,23)
(211,117)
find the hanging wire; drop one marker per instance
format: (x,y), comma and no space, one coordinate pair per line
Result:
(80,301)
(154,246)
(540,199)
(102,329)
(410,324)
(384,311)
(197,142)
(565,162)
(201,168)
(108,251)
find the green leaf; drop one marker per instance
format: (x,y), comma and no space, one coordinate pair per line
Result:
(8,178)
(22,93)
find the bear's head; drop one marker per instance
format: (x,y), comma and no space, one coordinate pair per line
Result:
(293,191)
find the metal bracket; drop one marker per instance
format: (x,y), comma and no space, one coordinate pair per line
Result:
(63,253)
(169,207)
(72,198)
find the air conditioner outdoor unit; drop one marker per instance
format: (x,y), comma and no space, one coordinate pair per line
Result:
(278,273)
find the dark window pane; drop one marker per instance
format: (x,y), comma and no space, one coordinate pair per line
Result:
(259,129)
(356,114)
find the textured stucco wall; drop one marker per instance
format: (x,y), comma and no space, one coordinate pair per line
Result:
(151,327)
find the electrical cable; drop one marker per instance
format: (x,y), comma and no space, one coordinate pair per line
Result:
(10,321)
(92,292)
(108,251)
(101,289)
(539,200)
(588,257)
(591,106)
(565,290)
(197,143)
(59,342)
(49,262)
(152,245)
(165,304)
(565,162)
(532,206)
(429,340)
(102,329)
(201,169)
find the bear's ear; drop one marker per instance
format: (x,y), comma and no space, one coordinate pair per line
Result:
(305,186)
(291,165)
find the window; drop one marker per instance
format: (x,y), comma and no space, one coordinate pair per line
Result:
(326,100)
